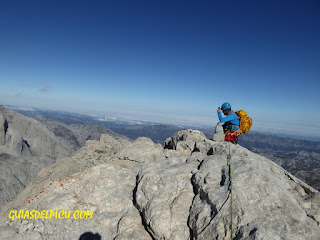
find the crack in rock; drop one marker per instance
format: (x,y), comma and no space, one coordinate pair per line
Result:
(5,126)
(195,192)
(118,224)
(223,177)
(205,197)
(136,205)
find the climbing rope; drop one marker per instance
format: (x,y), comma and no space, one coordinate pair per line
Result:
(229,160)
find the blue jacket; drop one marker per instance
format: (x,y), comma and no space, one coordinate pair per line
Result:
(231,119)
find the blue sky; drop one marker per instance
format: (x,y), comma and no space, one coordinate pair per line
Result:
(175,59)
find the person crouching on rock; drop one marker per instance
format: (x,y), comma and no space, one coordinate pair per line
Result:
(231,122)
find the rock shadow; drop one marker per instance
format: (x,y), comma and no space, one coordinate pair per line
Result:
(90,236)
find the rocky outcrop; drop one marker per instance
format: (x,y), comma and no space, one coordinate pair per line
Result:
(74,136)
(26,146)
(26,137)
(138,190)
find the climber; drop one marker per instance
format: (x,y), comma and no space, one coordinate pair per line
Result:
(231,122)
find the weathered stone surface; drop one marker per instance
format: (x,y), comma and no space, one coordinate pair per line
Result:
(268,203)
(142,150)
(114,215)
(94,153)
(187,142)
(184,139)
(164,196)
(182,193)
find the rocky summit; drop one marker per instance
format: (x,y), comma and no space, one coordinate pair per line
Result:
(142,190)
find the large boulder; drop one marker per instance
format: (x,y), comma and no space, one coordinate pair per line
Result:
(142,150)
(164,196)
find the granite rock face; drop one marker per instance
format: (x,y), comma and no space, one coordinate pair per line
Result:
(139,190)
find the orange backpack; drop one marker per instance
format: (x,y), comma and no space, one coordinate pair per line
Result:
(245,121)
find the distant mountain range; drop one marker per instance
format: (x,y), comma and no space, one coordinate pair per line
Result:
(300,157)
(28,145)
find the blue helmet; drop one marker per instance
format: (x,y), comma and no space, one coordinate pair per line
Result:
(226,106)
